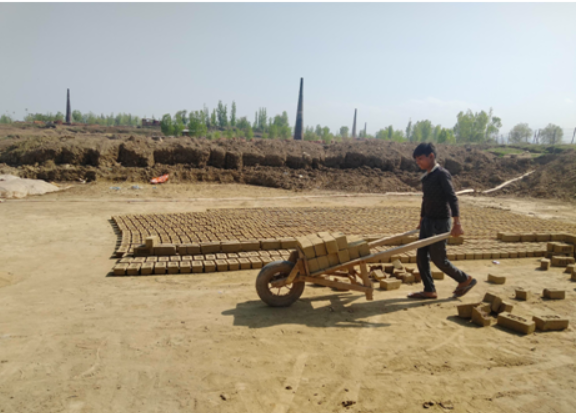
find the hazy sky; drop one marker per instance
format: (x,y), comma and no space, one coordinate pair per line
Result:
(391,61)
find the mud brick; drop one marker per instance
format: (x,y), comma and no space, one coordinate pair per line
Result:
(480,317)
(539,253)
(488,298)
(185,267)
(389,269)
(333,260)
(341,240)
(209,247)
(160,267)
(469,255)
(142,251)
(186,258)
(221,256)
(417,276)
(478,255)
(165,250)
(221,265)
(405,259)
(267,260)
(495,304)
(569,269)
(134,268)
(255,262)
(509,237)
(147,268)
(354,253)
(516,323)
(270,244)
(437,275)
(408,278)
(573,276)
(263,253)
(120,269)
(460,256)
(558,261)
(526,237)
(550,323)
(182,249)
(243,255)
(233,264)
(230,246)
(323,262)
(274,253)
(343,256)
(151,241)
(307,247)
(513,254)
(193,249)
(530,254)
(495,255)
(499,235)
(544,263)
(313,265)
(198,258)
(465,310)
(127,260)
(250,245)
(319,247)
(554,293)
(389,284)
(542,237)
(559,236)
(288,243)
(486,255)
(504,254)
(244,263)
(451,256)
(550,246)
(254,254)
(173,267)
(139,259)
(175,258)
(210,257)
(505,307)
(364,249)
(496,279)
(523,295)
(398,271)
(163,259)
(209,266)
(331,244)
(197,266)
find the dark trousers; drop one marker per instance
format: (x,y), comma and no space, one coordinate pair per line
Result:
(437,253)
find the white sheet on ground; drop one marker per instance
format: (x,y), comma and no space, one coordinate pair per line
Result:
(14,187)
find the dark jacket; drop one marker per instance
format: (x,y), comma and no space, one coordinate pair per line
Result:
(439,196)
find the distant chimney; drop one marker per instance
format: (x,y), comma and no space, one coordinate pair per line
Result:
(298,132)
(365,123)
(354,124)
(68,111)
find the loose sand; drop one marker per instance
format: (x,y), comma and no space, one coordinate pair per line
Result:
(74,340)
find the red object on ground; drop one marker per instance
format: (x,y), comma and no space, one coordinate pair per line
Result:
(160,180)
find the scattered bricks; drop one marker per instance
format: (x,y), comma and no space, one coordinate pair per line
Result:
(185,267)
(134,268)
(397,271)
(288,243)
(313,265)
(488,298)
(230,246)
(397,264)
(255,262)
(193,249)
(160,268)
(389,284)
(573,276)
(244,263)
(306,247)
(480,317)
(210,257)
(404,259)
(516,323)
(221,265)
(569,269)
(550,323)
(210,266)
(233,264)
(147,268)
(175,258)
(496,279)
(164,250)
(173,267)
(323,262)
(455,240)
(151,242)
(333,260)
(508,237)
(417,276)
(559,261)
(186,258)
(408,278)
(389,269)
(544,264)
(209,247)
(248,246)
(465,310)
(554,293)
(221,256)
(270,244)
(197,266)
(495,304)
(120,269)
(505,307)
(340,240)
(437,275)
(523,295)
(542,237)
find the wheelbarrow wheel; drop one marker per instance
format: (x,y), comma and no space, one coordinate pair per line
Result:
(284,296)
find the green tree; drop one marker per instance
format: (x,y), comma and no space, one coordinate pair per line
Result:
(243,123)
(222,114)
(422,131)
(344,130)
(398,136)
(520,133)
(213,118)
(273,131)
(551,134)
(216,135)
(318,130)
(446,136)
(180,116)
(476,127)
(309,134)
(249,133)
(233,115)
(409,131)
(229,134)
(436,133)
(5,119)
(285,132)
(76,116)
(166,125)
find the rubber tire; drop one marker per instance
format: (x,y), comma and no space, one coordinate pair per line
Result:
(264,277)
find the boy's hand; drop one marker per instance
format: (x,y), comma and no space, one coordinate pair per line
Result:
(456,228)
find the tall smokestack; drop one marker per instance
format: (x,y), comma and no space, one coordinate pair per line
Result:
(68,111)
(365,123)
(298,128)
(354,124)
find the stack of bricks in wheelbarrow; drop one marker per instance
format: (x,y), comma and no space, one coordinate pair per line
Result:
(259,235)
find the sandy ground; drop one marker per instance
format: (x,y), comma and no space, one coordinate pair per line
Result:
(74,340)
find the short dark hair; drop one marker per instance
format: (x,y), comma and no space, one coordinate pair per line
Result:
(425,148)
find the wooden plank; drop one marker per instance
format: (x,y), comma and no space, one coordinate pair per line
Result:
(297,268)
(389,240)
(366,281)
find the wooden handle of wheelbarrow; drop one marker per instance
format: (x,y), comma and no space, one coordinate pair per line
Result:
(390,240)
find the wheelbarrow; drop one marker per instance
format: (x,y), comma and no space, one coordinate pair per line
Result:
(281,283)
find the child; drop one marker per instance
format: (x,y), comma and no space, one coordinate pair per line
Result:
(438,204)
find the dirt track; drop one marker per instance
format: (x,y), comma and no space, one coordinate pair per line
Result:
(72,339)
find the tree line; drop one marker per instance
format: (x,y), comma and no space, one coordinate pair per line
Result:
(89,118)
